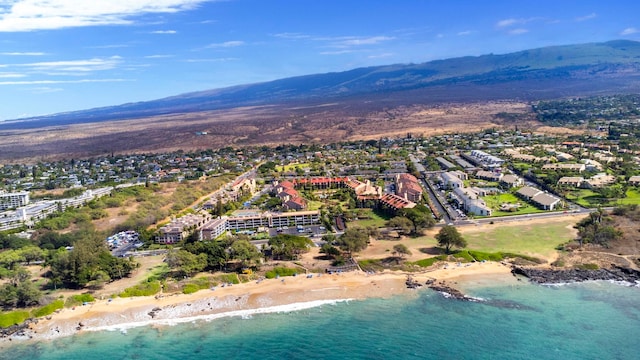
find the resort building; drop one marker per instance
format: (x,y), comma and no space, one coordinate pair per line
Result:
(13,200)
(408,187)
(178,229)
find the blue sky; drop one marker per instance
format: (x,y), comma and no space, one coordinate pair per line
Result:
(65,55)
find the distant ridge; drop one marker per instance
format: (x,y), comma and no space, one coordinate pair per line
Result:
(568,70)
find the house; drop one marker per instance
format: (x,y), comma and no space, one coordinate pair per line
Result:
(573,181)
(539,197)
(488,175)
(570,167)
(634,180)
(451,181)
(469,200)
(511,181)
(600,180)
(296,203)
(528,192)
(546,201)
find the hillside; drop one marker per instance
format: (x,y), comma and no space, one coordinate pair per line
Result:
(364,102)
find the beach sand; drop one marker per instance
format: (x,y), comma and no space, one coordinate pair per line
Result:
(269,295)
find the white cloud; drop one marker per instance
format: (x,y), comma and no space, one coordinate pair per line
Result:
(226,44)
(164,32)
(518,31)
(629,31)
(23,53)
(45,90)
(211,60)
(587,17)
(75,66)
(11,75)
(380,56)
(293,36)
(30,15)
(48,82)
(507,22)
(158,56)
(337,52)
(357,41)
(517,21)
(465,33)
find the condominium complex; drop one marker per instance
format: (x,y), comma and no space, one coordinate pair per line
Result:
(13,200)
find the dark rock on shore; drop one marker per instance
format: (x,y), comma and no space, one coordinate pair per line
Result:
(550,276)
(18,330)
(450,292)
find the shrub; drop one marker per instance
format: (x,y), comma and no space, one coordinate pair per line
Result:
(587,266)
(429,261)
(76,300)
(48,309)
(463,255)
(228,278)
(145,289)
(281,271)
(13,318)
(480,256)
(190,288)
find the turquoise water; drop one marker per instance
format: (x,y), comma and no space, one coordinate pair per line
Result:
(582,321)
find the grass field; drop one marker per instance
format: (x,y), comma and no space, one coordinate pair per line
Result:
(375,220)
(590,198)
(292,167)
(525,238)
(633,197)
(494,202)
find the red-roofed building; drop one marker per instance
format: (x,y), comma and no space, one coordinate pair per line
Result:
(396,202)
(408,187)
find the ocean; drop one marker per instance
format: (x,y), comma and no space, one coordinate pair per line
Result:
(594,320)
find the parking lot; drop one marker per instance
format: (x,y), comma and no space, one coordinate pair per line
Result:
(309,230)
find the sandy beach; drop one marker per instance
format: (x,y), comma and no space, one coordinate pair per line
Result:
(270,295)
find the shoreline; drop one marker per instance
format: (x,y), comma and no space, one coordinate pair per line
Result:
(274,295)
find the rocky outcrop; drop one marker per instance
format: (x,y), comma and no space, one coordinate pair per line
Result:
(17,330)
(550,276)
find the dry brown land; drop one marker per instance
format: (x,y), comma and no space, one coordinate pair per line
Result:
(265,125)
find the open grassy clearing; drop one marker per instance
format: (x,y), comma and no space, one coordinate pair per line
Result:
(292,167)
(367,217)
(494,202)
(530,238)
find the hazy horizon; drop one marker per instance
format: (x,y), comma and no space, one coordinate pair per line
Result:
(59,56)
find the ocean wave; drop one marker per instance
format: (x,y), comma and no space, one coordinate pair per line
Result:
(244,314)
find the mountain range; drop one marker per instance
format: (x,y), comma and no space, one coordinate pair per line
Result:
(360,103)
(548,72)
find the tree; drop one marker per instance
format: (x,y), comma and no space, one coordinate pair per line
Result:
(289,247)
(353,240)
(449,237)
(244,251)
(419,217)
(331,251)
(185,262)
(400,223)
(401,249)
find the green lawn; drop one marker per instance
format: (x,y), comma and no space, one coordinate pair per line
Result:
(586,197)
(314,205)
(292,167)
(494,202)
(375,220)
(590,198)
(633,197)
(528,239)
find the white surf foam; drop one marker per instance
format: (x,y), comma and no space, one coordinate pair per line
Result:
(244,314)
